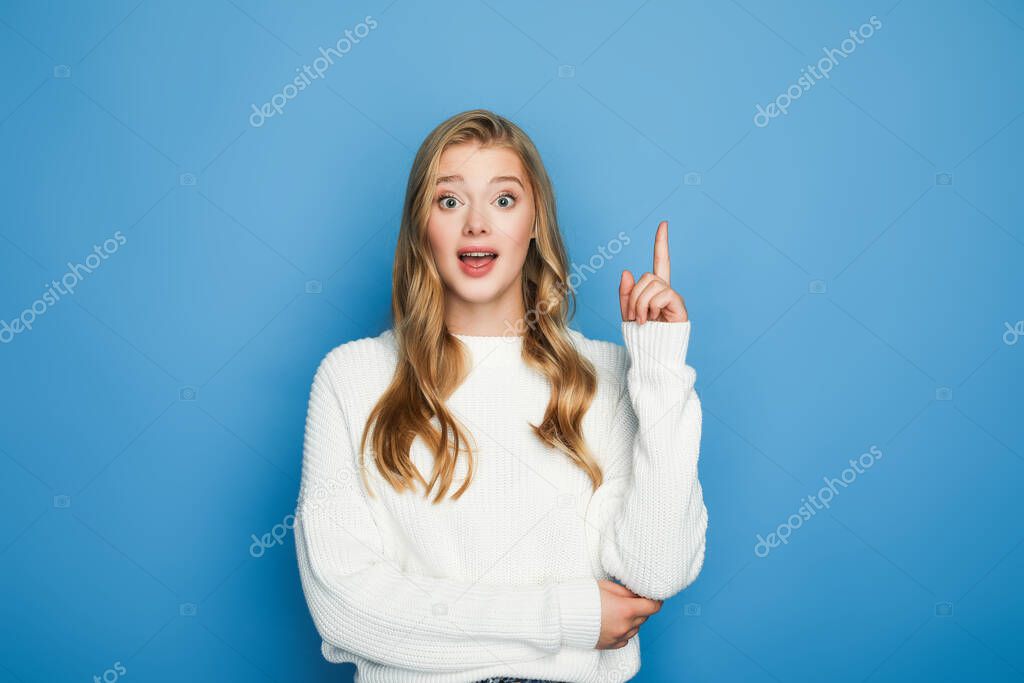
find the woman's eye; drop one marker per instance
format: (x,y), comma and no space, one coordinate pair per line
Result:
(449,202)
(510,200)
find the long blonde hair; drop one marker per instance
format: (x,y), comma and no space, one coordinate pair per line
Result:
(432,362)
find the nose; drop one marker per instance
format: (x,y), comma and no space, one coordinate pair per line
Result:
(476,224)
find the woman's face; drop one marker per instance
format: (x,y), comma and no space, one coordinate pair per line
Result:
(482,202)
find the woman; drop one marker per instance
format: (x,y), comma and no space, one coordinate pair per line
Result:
(556,461)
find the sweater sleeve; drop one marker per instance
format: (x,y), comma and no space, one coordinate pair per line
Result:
(364,603)
(649,512)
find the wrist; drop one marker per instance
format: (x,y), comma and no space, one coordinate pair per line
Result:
(579,604)
(656,348)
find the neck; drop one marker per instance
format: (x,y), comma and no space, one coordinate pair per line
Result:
(502,317)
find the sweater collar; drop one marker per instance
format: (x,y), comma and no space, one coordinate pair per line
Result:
(492,349)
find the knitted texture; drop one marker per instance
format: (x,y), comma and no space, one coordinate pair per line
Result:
(502,581)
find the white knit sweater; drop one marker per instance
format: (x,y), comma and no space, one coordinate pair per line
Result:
(504,580)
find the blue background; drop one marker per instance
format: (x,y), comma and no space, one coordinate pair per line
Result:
(850,269)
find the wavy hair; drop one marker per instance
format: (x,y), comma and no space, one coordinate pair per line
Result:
(432,362)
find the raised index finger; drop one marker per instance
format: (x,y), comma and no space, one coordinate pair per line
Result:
(661,262)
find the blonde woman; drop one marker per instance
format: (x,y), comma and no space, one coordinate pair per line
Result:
(475,476)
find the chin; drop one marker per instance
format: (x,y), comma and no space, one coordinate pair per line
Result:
(477,295)
(476,292)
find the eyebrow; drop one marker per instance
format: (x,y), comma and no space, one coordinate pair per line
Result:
(456,178)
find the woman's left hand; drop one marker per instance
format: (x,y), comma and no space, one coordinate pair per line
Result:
(651,297)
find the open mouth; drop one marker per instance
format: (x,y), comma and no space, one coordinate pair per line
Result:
(477,259)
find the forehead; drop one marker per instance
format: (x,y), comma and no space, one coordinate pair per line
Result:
(474,162)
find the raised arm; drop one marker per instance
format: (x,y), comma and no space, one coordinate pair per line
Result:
(649,513)
(362,602)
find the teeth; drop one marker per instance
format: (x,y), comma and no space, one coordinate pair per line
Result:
(478,253)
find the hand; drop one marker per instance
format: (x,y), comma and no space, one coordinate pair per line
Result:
(651,297)
(622,612)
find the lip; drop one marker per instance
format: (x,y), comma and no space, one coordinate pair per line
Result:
(482,270)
